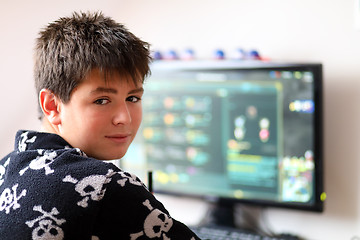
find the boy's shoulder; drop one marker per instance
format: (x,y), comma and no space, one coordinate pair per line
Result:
(42,150)
(47,155)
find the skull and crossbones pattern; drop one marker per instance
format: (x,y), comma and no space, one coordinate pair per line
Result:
(3,170)
(156,224)
(130,178)
(90,187)
(48,225)
(42,161)
(9,199)
(24,140)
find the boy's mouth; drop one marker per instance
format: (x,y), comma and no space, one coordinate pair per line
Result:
(119,138)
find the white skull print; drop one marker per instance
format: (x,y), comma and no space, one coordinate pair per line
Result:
(90,187)
(42,161)
(156,224)
(9,198)
(47,231)
(24,140)
(49,225)
(128,177)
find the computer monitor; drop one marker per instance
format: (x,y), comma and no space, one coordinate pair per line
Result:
(233,132)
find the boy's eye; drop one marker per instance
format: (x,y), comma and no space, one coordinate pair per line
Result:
(133,99)
(101,101)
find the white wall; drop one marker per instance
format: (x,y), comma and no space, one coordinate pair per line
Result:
(298,30)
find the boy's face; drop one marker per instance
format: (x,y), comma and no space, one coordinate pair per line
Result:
(102,118)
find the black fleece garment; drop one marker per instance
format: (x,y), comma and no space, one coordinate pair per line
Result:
(50,190)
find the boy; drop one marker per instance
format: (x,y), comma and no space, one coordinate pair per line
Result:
(89,72)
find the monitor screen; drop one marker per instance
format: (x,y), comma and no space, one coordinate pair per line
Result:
(242,132)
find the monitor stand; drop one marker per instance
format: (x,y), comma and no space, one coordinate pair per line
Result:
(221,214)
(234,216)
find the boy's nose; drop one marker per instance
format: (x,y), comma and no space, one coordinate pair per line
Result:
(122,115)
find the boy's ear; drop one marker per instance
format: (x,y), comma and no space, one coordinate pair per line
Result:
(50,105)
